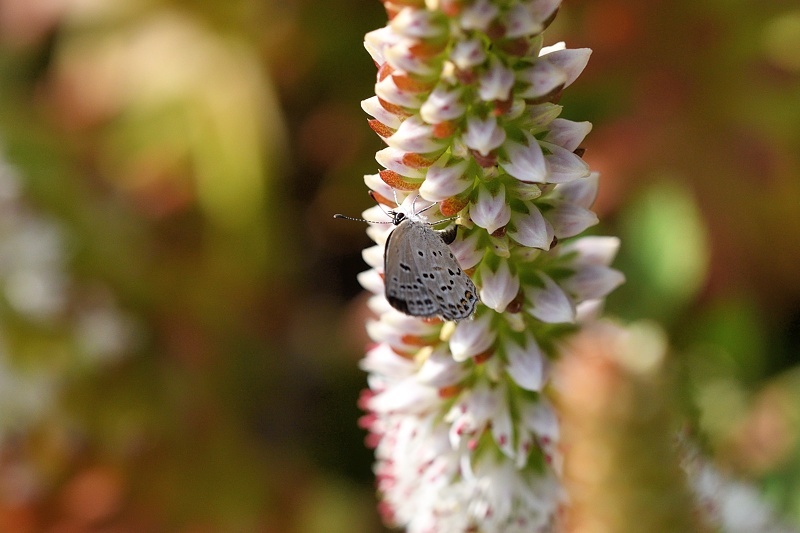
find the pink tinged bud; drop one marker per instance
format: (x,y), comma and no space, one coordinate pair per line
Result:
(564,166)
(498,288)
(445,180)
(472,337)
(483,135)
(593,281)
(374,109)
(467,250)
(531,228)
(568,134)
(592,250)
(526,162)
(569,220)
(467,54)
(490,212)
(393,159)
(542,78)
(443,104)
(581,192)
(496,83)
(550,303)
(413,135)
(521,21)
(526,364)
(478,16)
(570,62)
(418,23)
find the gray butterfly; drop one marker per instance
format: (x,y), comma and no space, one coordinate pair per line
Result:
(422,276)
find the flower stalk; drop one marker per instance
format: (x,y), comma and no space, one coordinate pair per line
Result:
(465,99)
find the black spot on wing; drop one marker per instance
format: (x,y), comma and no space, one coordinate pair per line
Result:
(449,235)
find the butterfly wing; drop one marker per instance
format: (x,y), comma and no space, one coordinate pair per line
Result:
(423,277)
(405,289)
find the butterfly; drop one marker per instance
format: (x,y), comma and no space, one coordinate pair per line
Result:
(421,274)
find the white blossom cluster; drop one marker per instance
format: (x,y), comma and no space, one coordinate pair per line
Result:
(465,438)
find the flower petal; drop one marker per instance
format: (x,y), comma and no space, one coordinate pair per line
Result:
(550,303)
(498,288)
(569,220)
(467,54)
(415,136)
(593,281)
(564,166)
(526,162)
(582,192)
(472,337)
(443,181)
(532,229)
(570,61)
(526,364)
(490,211)
(442,104)
(568,134)
(483,135)
(496,83)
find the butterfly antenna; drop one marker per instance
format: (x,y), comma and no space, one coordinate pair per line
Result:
(337,215)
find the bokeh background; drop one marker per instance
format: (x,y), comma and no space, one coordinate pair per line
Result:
(180,324)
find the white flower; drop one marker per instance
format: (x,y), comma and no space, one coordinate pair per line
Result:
(388,91)
(542,78)
(569,220)
(418,23)
(570,62)
(467,251)
(592,282)
(498,287)
(377,41)
(526,364)
(563,165)
(472,337)
(414,135)
(532,229)
(373,108)
(483,135)
(549,303)
(568,134)
(442,104)
(393,159)
(526,162)
(496,83)
(582,192)
(467,54)
(478,15)
(444,180)
(490,211)
(592,250)
(400,56)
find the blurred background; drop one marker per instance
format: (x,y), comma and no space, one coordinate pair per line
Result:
(180,322)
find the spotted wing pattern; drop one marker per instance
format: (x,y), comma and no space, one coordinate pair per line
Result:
(423,277)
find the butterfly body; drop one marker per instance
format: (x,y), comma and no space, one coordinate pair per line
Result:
(422,275)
